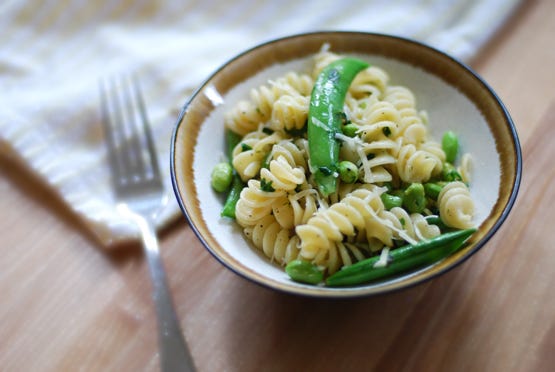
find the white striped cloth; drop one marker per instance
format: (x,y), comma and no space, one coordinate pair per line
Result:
(53,52)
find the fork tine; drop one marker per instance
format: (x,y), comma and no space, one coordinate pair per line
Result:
(132,154)
(108,127)
(146,129)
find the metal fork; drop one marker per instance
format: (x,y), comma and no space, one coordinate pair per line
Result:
(140,195)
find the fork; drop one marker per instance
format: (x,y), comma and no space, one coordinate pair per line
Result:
(140,196)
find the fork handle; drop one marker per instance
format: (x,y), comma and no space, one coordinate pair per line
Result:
(174,353)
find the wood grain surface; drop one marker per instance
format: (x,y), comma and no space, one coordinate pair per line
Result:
(67,305)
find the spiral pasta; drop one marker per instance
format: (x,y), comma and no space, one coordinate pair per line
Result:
(255,203)
(295,209)
(417,165)
(293,83)
(412,127)
(295,152)
(465,168)
(249,114)
(456,207)
(281,175)
(410,227)
(251,151)
(275,242)
(290,112)
(372,81)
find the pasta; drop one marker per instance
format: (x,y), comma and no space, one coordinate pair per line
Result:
(275,241)
(281,175)
(250,152)
(255,203)
(456,207)
(290,112)
(412,127)
(416,165)
(281,210)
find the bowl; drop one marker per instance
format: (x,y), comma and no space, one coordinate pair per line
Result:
(454,97)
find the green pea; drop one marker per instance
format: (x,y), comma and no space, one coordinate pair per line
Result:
(350,130)
(221,177)
(304,272)
(450,145)
(414,199)
(348,171)
(391,201)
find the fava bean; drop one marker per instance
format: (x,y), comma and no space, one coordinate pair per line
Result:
(391,201)
(221,177)
(304,272)
(450,145)
(414,198)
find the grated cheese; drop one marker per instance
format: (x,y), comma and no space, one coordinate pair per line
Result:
(384,258)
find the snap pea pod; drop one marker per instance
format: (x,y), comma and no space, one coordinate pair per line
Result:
(403,258)
(325,118)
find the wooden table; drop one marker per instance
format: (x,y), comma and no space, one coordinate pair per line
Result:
(67,305)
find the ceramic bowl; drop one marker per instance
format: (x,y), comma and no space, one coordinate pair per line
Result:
(453,95)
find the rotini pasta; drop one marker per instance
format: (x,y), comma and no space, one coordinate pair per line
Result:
(249,154)
(281,175)
(281,210)
(412,127)
(275,242)
(465,168)
(255,203)
(456,206)
(370,82)
(290,113)
(410,227)
(416,165)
